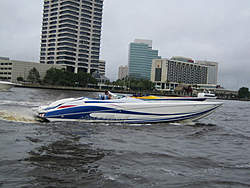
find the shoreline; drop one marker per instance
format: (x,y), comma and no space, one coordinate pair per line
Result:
(70,88)
(102,90)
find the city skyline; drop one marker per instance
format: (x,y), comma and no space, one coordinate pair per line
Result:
(204,30)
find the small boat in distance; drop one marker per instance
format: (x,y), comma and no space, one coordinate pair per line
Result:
(125,110)
(6,86)
(207,95)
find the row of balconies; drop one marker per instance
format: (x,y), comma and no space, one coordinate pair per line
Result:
(5,68)
(84,35)
(82,53)
(5,73)
(186,65)
(190,81)
(6,64)
(187,72)
(72,23)
(178,77)
(86,4)
(69,33)
(84,7)
(69,14)
(64,56)
(82,64)
(53,2)
(61,37)
(188,76)
(52,41)
(66,42)
(72,49)
(45,29)
(186,68)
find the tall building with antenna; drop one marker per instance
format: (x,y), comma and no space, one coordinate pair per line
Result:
(71,34)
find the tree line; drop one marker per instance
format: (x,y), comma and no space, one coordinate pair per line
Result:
(60,77)
(134,84)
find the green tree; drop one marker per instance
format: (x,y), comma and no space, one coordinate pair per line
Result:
(135,84)
(19,78)
(243,92)
(53,76)
(147,84)
(65,78)
(33,75)
(84,78)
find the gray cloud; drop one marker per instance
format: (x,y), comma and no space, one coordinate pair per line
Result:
(215,30)
(20,29)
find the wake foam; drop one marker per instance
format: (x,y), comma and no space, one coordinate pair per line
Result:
(17,117)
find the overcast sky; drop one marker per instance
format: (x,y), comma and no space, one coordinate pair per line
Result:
(212,30)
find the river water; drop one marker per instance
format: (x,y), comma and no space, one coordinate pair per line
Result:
(213,152)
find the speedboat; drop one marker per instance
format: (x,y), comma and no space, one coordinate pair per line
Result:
(125,110)
(4,85)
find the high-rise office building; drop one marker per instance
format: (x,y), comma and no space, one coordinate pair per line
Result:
(141,55)
(102,67)
(212,71)
(123,71)
(71,34)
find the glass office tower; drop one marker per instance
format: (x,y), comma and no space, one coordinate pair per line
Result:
(71,34)
(140,58)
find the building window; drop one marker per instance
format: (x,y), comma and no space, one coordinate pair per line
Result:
(66,44)
(67,39)
(53,14)
(69,21)
(69,7)
(69,12)
(68,25)
(70,3)
(68,30)
(158,74)
(87,3)
(67,35)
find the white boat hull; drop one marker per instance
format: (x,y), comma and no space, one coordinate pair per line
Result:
(207,95)
(128,111)
(6,85)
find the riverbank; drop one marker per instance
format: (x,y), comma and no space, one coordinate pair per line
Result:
(37,86)
(235,99)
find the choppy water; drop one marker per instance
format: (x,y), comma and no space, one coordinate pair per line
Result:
(213,152)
